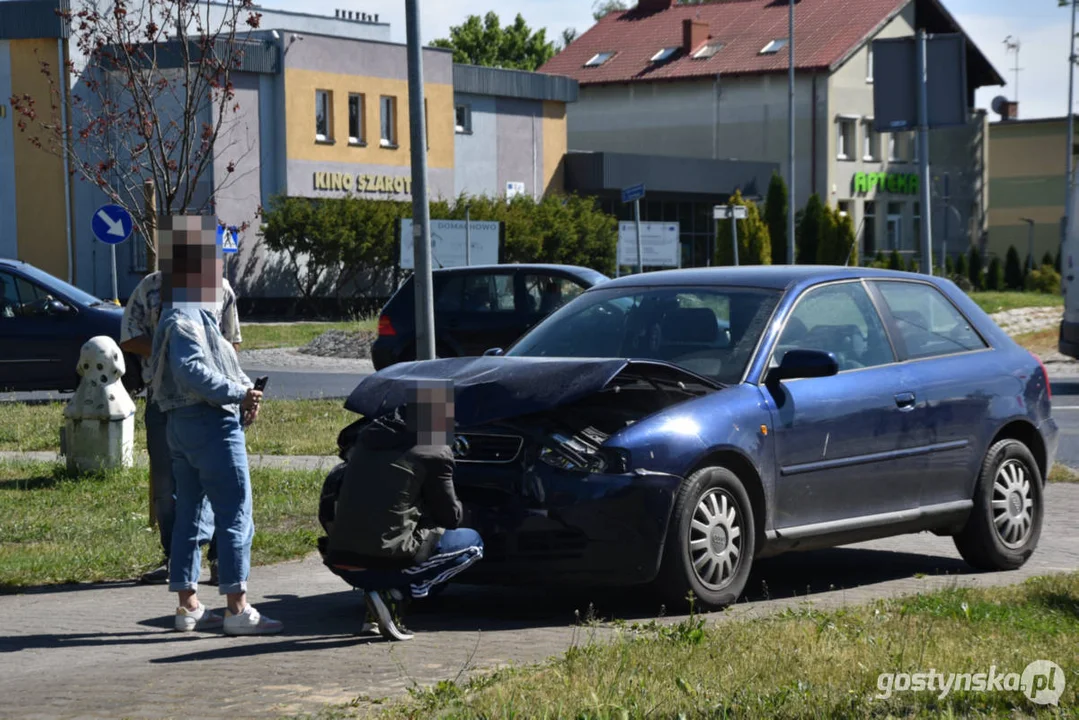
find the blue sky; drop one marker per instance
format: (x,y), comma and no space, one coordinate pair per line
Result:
(1041,26)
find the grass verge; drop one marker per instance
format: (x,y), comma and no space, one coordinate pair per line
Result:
(260,336)
(58,528)
(994,302)
(1063,474)
(284,427)
(799,663)
(1042,342)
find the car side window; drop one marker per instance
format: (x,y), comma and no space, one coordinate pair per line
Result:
(448,292)
(547,293)
(488,293)
(839,319)
(928,323)
(9,296)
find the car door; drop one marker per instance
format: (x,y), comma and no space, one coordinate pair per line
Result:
(952,388)
(543,293)
(839,440)
(488,314)
(37,340)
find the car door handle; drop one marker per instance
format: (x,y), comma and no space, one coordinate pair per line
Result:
(905,400)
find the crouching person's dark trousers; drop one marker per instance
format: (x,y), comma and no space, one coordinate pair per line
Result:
(455,552)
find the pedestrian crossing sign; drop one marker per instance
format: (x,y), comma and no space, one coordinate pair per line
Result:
(229,238)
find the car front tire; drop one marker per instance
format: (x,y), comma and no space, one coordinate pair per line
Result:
(1006,522)
(711,541)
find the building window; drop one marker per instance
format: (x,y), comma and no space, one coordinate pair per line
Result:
(869,229)
(871,143)
(773,47)
(895,226)
(388,107)
(844,207)
(893,147)
(138,254)
(355,119)
(599,59)
(664,54)
(323,116)
(869,62)
(846,138)
(463,118)
(912,140)
(708,51)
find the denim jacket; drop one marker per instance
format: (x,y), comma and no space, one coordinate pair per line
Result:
(193,363)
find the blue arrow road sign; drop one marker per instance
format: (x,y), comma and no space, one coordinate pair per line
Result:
(111,224)
(636,192)
(228,238)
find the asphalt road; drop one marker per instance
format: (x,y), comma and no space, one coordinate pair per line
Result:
(1066,412)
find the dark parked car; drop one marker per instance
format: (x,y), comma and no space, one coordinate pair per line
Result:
(477,308)
(44,322)
(672,427)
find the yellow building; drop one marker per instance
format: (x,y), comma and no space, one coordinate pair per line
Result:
(1027,161)
(35,193)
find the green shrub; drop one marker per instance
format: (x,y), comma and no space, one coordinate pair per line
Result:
(977,269)
(1049,260)
(1057,263)
(776,209)
(895,262)
(963,282)
(810,229)
(754,243)
(1044,280)
(994,279)
(1013,271)
(961,266)
(949,266)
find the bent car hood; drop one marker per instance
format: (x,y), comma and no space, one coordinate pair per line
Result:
(487,389)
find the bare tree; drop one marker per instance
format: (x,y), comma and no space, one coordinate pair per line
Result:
(149,100)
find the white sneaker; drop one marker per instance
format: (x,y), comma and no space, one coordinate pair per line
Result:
(200,619)
(388,626)
(251,622)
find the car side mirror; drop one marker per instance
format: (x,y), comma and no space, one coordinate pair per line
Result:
(57,307)
(798,363)
(493,352)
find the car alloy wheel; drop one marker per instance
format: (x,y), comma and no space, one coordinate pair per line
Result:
(715,539)
(1013,505)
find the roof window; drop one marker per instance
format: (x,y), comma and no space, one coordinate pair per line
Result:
(599,59)
(708,51)
(664,54)
(773,47)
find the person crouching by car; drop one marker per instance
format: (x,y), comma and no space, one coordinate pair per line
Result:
(396,533)
(141,316)
(198,382)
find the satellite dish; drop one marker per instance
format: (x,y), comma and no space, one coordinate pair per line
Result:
(999,103)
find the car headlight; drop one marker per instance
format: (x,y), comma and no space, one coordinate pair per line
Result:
(577,454)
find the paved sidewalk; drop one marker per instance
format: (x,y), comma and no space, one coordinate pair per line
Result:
(106,651)
(290,462)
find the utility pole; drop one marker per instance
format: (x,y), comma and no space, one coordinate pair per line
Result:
(926,214)
(1012,44)
(421,210)
(791,202)
(468,234)
(1069,180)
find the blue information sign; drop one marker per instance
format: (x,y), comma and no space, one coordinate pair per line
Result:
(111,224)
(636,192)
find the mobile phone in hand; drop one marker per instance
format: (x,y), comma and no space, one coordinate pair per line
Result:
(260,383)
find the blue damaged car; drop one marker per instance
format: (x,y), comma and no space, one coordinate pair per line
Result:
(670,428)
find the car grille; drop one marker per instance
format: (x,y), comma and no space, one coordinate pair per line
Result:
(486,448)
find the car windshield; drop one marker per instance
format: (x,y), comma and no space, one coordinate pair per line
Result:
(54,284)
(710,331)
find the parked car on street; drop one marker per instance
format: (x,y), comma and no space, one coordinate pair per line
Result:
(44,322)
(672,427)
(477,308)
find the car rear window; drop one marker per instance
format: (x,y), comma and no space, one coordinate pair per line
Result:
(928,323)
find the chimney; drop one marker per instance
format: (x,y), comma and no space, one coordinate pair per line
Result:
(337,13)
(694,34)
(1011,110)
(654,5)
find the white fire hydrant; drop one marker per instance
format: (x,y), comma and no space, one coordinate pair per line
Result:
(99,427)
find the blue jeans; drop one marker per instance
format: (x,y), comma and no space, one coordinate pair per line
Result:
(164,489)
(455,552)
(209,462)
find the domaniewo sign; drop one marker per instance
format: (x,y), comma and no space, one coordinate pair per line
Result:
(363,183)
(894,183)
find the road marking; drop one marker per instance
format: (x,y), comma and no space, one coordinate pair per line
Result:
(1066,407)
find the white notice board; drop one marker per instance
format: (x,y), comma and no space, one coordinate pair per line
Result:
(659,242)
(448,243)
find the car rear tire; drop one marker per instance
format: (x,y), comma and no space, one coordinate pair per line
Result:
(1006,522)
(711,541)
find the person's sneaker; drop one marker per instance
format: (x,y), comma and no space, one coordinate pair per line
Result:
(213,573)
(388,626)
(250,622)
(157,576)
(200,619)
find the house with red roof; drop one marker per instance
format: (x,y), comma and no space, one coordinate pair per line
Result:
(690,98)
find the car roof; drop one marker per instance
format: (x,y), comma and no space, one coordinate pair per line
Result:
(776,277)
(536,267)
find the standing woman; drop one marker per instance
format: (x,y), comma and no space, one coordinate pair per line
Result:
(198,382)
